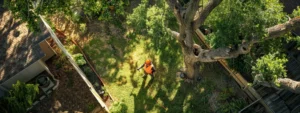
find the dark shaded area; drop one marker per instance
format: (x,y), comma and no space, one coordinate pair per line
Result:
(16,53)
(72,94)
(290,5)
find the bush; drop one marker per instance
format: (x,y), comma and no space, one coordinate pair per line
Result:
(79,59)
(229,101)
(119,107)
(155,21)
(137,19)
(270,67)
(20,98)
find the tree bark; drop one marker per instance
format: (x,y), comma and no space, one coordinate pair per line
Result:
(284,83)
(192,68)
(289,84)
(280,29)
(203,14)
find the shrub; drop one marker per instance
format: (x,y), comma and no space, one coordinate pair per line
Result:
(270,67)
(118,107)
(229,101)
(137,19)
(79,59)
(20,98)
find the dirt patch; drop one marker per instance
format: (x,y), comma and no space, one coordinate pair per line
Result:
(72,94)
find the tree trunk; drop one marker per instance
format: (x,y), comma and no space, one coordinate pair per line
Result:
(192,68)
(289,84)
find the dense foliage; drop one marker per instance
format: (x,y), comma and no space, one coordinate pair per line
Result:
(104,9)
(20,98)
(270,67)
(150,19)
(118,107)
(235,21)
(137,19)
(25,9)
(28,10)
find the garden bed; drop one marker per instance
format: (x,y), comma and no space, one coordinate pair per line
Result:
(89,70)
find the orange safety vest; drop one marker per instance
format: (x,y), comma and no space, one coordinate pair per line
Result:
(148,69)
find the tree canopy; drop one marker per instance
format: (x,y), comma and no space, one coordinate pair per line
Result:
(28,10)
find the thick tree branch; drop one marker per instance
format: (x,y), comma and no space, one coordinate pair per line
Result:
(175,6)
(280,29)
(177,36)
(244,48)
(289,84)
(188,17)
(191,10)
(203,14)
(224,53)
(284,83)
(173,33)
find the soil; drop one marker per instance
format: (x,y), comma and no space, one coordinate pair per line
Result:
(72,94)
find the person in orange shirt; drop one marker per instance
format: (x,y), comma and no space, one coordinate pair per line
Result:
(148,68)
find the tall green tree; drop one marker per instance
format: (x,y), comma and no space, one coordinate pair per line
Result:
(238,26)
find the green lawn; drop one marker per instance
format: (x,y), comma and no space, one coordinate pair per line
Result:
(164,93)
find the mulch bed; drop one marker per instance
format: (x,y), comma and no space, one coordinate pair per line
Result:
(72,94)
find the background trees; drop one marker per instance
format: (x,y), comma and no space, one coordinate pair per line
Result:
(76,9)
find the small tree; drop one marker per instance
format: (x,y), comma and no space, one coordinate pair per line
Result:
(20,97)
(270,71)
(28,10)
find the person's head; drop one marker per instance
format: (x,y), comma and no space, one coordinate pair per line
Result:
(148,62)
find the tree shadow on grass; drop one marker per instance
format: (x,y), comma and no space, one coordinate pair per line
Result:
(133,69)
(188,98)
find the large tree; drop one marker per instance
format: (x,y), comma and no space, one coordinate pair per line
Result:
(190,16)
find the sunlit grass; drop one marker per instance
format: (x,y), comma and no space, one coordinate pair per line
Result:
(165,93)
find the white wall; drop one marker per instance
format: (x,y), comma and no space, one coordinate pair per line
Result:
(25,75)
(47,50)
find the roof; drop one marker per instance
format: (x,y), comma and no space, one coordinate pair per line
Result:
(19,46)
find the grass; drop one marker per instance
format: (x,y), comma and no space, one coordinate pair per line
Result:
(116,59)
(164,93)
